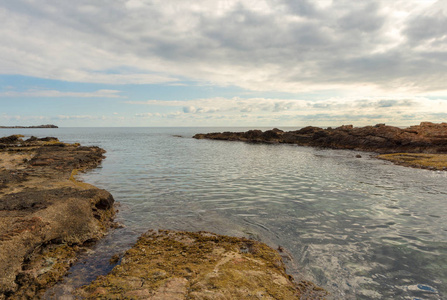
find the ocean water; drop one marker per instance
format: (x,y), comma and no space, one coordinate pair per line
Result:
(361,228)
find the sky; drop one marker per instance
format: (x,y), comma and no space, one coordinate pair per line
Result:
(223,63)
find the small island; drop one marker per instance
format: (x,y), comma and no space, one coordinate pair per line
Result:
(38,126)
(419,146)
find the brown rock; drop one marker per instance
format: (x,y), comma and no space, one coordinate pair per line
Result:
(426,137)
(45,214)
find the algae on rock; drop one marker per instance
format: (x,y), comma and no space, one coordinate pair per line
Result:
(186,265)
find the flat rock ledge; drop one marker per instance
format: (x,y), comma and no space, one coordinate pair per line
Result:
(199,265)
(46,216)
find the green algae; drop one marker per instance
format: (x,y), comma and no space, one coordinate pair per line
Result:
(43,268)
(418,160)
(201,265)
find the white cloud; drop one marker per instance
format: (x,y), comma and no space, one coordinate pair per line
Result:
(18,120)
(189,109)
(290,46)
(144,115)
(55,93)
(296,112)
(150,115)
(78,117)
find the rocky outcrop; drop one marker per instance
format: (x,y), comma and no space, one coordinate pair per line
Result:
(46,216)
(424,138)
(186,265)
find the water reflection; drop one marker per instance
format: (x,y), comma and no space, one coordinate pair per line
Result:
(360,227)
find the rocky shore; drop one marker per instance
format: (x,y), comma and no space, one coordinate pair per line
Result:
(46,216)
(428,138)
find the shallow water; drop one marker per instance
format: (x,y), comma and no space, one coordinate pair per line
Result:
(360,227)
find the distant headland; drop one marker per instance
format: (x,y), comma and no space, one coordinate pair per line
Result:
(420,146)
(38,126)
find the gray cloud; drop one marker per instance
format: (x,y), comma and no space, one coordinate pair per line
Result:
(55,93)
(301,7)
(429,25)
(261,45)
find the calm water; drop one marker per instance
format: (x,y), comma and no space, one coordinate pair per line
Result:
(359,227)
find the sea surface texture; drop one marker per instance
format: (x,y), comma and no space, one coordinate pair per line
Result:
(361,228)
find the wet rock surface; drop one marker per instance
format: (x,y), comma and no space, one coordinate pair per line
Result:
(46,216)
(436,162)
(424,138)
(185,265)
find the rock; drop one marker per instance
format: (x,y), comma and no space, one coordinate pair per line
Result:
(253,134)
(46,216)
(199,265)
(12,139)
(426,137)
(418,160)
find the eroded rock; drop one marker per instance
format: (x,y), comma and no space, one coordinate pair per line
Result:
(46,216)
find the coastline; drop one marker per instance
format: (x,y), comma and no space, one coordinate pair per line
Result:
(47,219)
(420,146)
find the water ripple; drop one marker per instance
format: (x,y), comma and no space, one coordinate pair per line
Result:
(361,228)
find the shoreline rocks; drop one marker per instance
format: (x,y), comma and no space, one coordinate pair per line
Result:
(424,138)
(46,216)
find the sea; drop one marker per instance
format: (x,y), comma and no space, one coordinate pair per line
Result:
(361,228)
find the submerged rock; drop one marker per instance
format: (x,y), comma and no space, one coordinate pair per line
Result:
(46,216)
(187,265)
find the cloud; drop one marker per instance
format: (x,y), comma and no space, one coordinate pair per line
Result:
(150,115)
(378,46)
(77,117)
(429,27)
(189,109)
(298,112)
(18,118)
(236,104)
(55,93)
